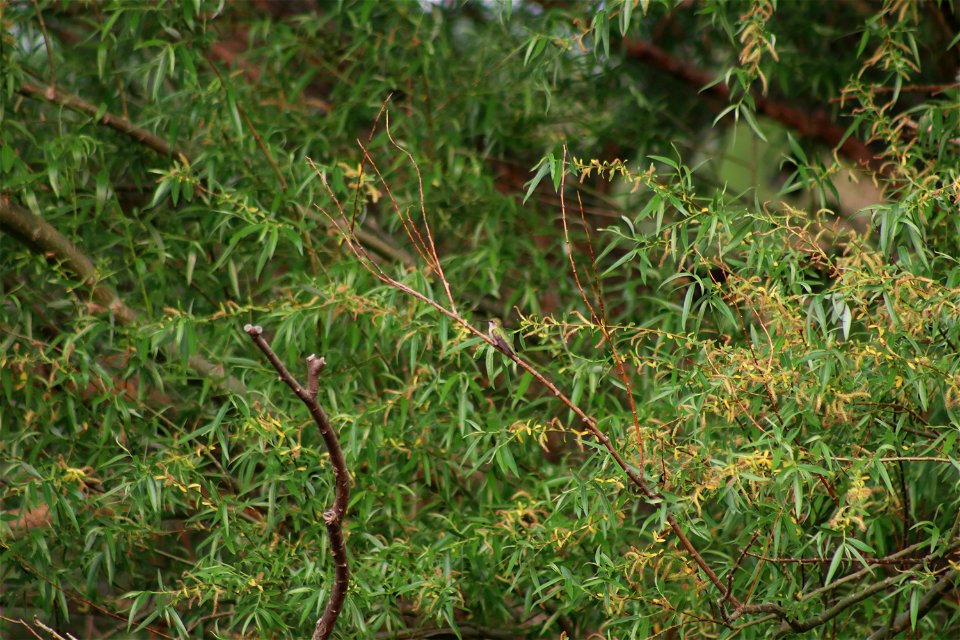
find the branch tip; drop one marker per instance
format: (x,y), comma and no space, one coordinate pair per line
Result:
(314,366)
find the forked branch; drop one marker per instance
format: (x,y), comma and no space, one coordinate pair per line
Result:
(333,518)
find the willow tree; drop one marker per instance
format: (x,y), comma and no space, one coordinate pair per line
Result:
(722,237)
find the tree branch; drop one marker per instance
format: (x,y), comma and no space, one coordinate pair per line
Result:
(332,518)
(809,124)
(650,493)
(926,604)
(119,123)
(42,237)
(795,626)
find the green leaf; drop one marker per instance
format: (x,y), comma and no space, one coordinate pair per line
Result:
(838,556)
(545,167)
(914,607)
(752,122)
(625,12)
(7,158)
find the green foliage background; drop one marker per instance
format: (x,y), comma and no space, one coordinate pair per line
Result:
(793,361)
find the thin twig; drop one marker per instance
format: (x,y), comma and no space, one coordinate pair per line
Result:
(47,43)
(356,193)
(253,130)
(736,565)
(413,233)
(21,621)
(333,518)
(932,89)
(423,211)
(600,318)
(51,631)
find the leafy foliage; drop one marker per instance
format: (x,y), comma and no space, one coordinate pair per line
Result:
(670,205)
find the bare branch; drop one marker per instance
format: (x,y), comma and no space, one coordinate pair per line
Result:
(333,518)
(51,631)
(423,211)
(373,130)
(599,318)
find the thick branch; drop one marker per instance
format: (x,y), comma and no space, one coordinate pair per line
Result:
(926,604)
(799,626)
(333,518)
(810,124)
(42,237)
(791,626)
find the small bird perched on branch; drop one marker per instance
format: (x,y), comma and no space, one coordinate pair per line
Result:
(500,339)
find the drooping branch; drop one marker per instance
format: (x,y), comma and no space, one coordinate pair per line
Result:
(44,238)
(333,518)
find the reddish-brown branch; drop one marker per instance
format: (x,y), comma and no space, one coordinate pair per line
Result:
(333,518)
(342,224)
(809,124)
(413,233)
(599,318)
(736,565)
(363,162)
(432,247)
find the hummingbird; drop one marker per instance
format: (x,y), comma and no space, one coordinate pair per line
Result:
(500,339)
